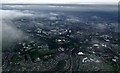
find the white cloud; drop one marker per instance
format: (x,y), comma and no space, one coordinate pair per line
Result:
(9,14)
(73,19)
(14,6)
(52,18)
(60,1)
(54,14)
(9,31)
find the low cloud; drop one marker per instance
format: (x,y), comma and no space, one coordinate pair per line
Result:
(10,14)
(54,14)
(52,18)
(72,19)
(8,30)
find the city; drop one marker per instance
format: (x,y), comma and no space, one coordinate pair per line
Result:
(59,39)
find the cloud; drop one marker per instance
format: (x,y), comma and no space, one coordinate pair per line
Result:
(101,26)
(54,14)
(15,6)
(72,19)
(10,14)
(59,1)
(9,31)
(52,18)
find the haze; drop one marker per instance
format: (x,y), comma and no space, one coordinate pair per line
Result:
(63,1)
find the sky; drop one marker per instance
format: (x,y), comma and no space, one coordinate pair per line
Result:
(62,1)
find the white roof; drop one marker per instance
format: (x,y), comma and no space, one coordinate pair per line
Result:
(80,53)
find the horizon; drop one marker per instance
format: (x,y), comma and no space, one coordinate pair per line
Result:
(60,2)
(65,3)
